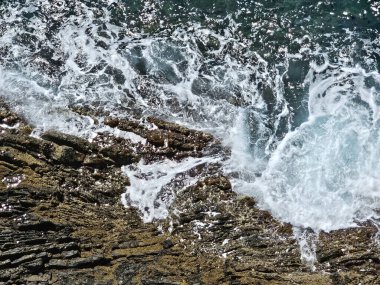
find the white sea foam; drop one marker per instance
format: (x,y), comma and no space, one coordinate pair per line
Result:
(154,186)
(84,76)
(307,241)
(324,174)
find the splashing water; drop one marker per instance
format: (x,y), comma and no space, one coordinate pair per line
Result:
(295,96)
(151,189)
(324,174)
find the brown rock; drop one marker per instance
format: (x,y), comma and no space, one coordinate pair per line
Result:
(64,222)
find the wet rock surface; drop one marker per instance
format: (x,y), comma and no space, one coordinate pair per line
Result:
(62,222)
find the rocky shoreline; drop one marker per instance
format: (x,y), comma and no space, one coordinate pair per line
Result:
(62,221)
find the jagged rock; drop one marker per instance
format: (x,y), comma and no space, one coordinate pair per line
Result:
(79,144)
(57,264)
(39,226)
(38,278)
(168,139)
(61,220)
(67,156)
(5,264)
(97,161)
(70,254)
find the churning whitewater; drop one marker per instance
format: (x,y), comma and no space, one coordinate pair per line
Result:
(295,96)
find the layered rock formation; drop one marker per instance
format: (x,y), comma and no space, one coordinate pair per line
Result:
(62,221)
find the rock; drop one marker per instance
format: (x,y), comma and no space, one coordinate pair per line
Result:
(18,253)
(70,254)
(97,161)
(23,259)
(58,248)
(5,264)
(111,121)
(57,264)
(63,222)
(91,262)
(221,182)
(79,144)
(326,256)
(38,278)
(168,244)
(172,140)
(39,226)
(68,156)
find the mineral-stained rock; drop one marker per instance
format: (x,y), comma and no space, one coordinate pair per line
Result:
(61,220)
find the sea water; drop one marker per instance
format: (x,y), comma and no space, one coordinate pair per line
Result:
(292,88)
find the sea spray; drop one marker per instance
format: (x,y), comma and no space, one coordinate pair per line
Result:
(154,186)
(294,95)
(307,240)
